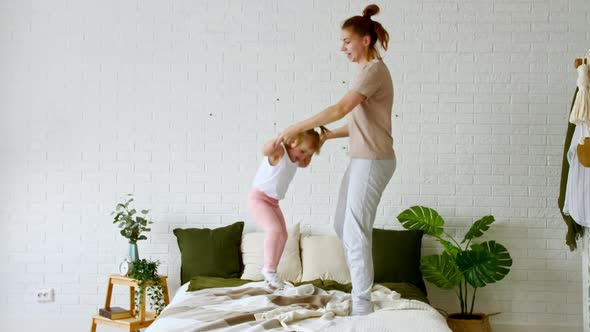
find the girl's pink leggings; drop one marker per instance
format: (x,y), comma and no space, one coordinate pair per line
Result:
(268,215)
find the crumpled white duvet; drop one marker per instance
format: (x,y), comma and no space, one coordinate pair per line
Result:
(392,313)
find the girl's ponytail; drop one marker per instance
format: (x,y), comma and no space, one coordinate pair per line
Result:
(314,136)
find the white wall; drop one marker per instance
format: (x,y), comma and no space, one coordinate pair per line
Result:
(172,100)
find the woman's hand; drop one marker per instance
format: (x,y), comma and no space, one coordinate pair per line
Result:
(289,135)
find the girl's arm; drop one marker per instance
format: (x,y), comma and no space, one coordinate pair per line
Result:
(273,149)
(333,113)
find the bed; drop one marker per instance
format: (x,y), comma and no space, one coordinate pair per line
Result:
(252,307)
(321,302)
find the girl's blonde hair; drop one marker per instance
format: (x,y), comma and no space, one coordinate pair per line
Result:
(313,136)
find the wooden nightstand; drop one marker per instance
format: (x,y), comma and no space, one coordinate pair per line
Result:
(130,324)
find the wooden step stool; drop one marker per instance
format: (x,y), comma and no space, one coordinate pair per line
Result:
(130,324)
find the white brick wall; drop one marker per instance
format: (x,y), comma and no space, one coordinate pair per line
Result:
(172,100)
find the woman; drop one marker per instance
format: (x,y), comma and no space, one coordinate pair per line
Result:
(369,102)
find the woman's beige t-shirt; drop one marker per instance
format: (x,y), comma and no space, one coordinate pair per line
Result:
(369,125)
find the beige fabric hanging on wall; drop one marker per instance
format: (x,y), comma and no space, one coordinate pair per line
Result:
(580,115)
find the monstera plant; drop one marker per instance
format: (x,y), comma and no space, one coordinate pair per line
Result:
(460,264)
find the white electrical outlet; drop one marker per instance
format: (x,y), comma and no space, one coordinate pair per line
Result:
(45,295)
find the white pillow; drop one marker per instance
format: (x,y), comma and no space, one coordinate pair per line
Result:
(253,256)
(322,257)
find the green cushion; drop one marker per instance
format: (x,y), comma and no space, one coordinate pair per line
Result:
(396,257)
(210,252)
(407,291)
(200,282)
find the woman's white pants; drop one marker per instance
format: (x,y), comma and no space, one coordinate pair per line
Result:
(360,192)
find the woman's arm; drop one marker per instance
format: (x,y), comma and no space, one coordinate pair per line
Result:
(331,134)
(333,113)
(336,133)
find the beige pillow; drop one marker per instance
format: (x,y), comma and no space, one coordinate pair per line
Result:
(322,257)
(253,256)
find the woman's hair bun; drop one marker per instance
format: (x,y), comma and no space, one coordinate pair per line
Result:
(370,10)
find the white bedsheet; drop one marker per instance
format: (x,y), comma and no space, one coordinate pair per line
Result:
(204,311)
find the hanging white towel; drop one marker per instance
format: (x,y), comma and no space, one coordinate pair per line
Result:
(581,110)
(577,192)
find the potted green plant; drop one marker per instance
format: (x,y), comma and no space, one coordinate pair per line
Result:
(131,225)
(145,272)
(460,265)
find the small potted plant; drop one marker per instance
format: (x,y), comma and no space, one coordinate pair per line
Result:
(132,225)
(145,272)
(460,265)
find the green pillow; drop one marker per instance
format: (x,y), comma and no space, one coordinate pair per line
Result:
(210,252)
(396,257)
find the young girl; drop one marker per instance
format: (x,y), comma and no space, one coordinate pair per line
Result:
(269,187)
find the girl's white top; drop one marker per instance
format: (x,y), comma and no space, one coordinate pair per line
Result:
(274,180)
